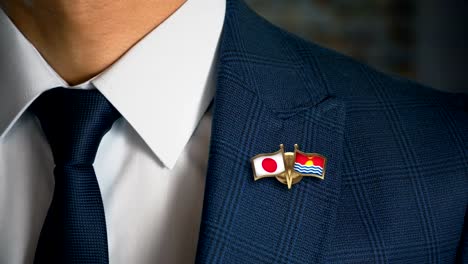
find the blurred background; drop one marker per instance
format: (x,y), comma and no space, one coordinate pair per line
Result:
(424,40)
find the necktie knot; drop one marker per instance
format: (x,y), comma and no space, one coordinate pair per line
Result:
(74,122)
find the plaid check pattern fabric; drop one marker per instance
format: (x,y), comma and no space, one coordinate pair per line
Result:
(395,189)
(74,122)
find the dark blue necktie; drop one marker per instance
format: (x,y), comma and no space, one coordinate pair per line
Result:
(74,122)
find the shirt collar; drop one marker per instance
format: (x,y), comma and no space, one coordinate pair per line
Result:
(162,86)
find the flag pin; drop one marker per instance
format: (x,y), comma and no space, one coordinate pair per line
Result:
(288,167)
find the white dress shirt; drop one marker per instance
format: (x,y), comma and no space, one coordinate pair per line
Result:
(150,166)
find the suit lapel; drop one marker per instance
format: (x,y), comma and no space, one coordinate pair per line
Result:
(267,95)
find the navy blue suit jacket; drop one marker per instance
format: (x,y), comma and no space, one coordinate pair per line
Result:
(395,189)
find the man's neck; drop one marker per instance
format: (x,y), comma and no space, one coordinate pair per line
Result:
(79,39)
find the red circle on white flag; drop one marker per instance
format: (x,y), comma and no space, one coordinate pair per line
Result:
(269,165)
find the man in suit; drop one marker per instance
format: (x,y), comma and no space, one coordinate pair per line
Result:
(145,112)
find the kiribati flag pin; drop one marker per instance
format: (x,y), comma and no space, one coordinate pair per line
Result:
(289,167)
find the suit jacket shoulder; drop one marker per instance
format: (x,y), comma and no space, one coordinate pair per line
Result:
(396,175)
(405,164)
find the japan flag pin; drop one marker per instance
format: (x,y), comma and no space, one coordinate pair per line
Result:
(288,167)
